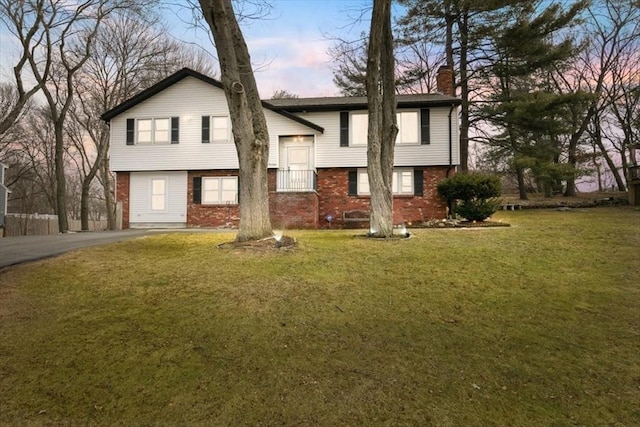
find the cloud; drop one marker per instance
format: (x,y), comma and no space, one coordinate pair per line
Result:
(297,65)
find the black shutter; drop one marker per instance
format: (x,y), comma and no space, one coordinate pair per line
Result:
(175,130)
(353,183)
(197,190)
(418,182)
(205,129)
(238,195)
(425,133)
(131,129)
(344,129)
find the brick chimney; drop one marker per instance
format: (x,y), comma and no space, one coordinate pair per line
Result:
(444,81)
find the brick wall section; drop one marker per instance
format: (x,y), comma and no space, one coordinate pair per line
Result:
(199,215)
(123,180)
(304,209)
(294,210)
(334,199)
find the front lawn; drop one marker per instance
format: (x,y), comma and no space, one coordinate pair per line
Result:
(534,324)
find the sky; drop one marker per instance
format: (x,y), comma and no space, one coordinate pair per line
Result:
(289,48)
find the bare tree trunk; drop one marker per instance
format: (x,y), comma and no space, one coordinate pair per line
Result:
(61,179)
(107,182)
(382,128)
(597,138)
(249,125)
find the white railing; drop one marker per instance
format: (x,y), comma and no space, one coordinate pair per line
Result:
(296,180)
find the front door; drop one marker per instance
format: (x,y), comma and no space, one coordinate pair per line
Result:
(296,164)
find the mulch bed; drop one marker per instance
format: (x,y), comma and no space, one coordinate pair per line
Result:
(266,244)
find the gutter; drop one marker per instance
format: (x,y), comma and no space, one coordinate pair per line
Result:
(451,167)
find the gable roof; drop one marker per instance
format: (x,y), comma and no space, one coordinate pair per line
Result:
(179,76)
(287,106)
(359,102)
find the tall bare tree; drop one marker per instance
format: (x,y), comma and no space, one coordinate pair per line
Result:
(57,48)
(382,130)
(24,22)
(249,125)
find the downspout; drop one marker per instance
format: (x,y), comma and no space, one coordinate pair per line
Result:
(450,168)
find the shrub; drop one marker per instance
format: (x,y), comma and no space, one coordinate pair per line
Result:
(477,193)
(477,209)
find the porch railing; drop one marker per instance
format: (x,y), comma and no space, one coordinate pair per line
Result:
(297,180)
(634,173)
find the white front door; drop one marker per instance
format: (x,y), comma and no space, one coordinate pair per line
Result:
(296,171)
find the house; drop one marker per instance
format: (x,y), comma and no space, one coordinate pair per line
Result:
(4,196)
(176,164)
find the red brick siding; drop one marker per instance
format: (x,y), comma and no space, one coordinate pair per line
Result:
(294,210)
(304,209)
(123,180)
(199,215)
(334,199)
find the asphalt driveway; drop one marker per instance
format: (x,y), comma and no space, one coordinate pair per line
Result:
(20,249)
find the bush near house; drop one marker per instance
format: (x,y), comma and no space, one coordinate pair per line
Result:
(476,193)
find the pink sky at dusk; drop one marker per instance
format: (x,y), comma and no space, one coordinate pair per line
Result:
(289,48)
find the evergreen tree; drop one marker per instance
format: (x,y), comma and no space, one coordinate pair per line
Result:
(529,115)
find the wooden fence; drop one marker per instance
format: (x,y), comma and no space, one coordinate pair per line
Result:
(36,224)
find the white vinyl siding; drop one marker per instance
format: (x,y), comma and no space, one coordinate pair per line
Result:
(408,127)
(149,191)
(329,153)
(402,183)
(191,98)
(219,190)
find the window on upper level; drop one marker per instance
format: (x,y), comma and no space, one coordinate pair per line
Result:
(408,127)
(215,129)
(413,128)
(153,131)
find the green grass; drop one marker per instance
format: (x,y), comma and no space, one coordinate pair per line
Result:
(535,324)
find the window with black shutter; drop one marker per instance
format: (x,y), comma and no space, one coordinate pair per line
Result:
(344,129)
(197,189)
(205,129)
(353,183)
(418,182)
(175,130)
(131,131)
(425,132)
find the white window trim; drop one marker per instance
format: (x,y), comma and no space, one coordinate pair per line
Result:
(153,131)
(212,120)
(352,129)
(219,202)
(165,195)
(362,174)
(399,140)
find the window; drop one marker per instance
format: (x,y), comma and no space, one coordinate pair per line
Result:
(219,129)
(158,194)
(220,190)
(359,128)
(153,131)
(413,128)
(402,183)
(215,129)
(407,127)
